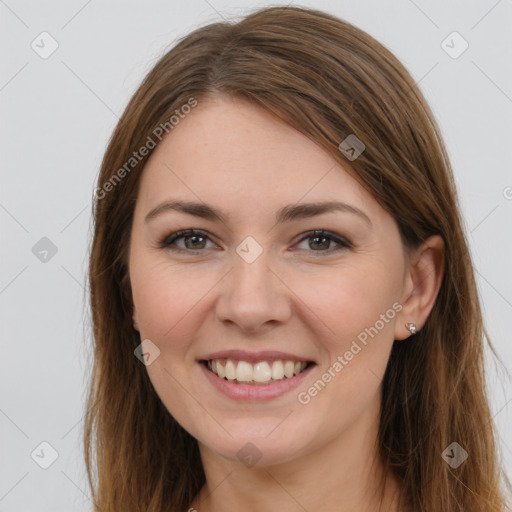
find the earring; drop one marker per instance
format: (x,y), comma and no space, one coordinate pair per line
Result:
(411,327)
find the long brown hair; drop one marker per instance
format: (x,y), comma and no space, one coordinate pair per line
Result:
(328,80)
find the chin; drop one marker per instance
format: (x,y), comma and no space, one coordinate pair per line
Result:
(264,443)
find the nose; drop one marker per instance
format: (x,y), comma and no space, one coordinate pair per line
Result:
(253,297)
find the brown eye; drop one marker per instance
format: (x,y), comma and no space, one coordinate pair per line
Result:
(321,241)
(193,240)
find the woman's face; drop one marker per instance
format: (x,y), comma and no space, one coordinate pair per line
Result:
(258,292)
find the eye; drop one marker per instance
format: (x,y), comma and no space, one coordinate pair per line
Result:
(196,240)
(193,239)
(322,240)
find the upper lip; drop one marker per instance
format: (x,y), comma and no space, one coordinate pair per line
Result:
(266,355)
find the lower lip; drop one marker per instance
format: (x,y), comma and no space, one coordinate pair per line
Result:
(254,392)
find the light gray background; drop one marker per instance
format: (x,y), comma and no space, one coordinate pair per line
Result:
(57,115)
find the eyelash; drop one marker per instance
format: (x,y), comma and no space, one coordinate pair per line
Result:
(168,240)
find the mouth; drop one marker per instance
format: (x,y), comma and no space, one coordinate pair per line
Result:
(257,373)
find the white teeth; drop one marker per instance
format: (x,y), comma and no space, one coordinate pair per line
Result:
(262,372)
(277,370)
(244,372)
(230,370)
(221,371)
(289,366)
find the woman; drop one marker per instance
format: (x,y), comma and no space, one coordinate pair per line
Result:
(284,306)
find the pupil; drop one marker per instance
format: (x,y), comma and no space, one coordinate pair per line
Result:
(321,238)
(316,239)
(194,237)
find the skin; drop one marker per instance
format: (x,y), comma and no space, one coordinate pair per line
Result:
(299,296)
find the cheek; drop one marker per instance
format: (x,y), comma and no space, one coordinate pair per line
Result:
(166,297)
(347,300)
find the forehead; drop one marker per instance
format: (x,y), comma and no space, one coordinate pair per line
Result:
(235,154)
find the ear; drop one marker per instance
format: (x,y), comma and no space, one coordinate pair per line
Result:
(424,275)
(134,317)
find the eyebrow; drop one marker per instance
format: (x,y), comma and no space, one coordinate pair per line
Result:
(286,214)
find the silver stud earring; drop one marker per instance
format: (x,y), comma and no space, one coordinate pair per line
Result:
(411,327)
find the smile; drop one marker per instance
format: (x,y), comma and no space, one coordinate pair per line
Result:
(257,373)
